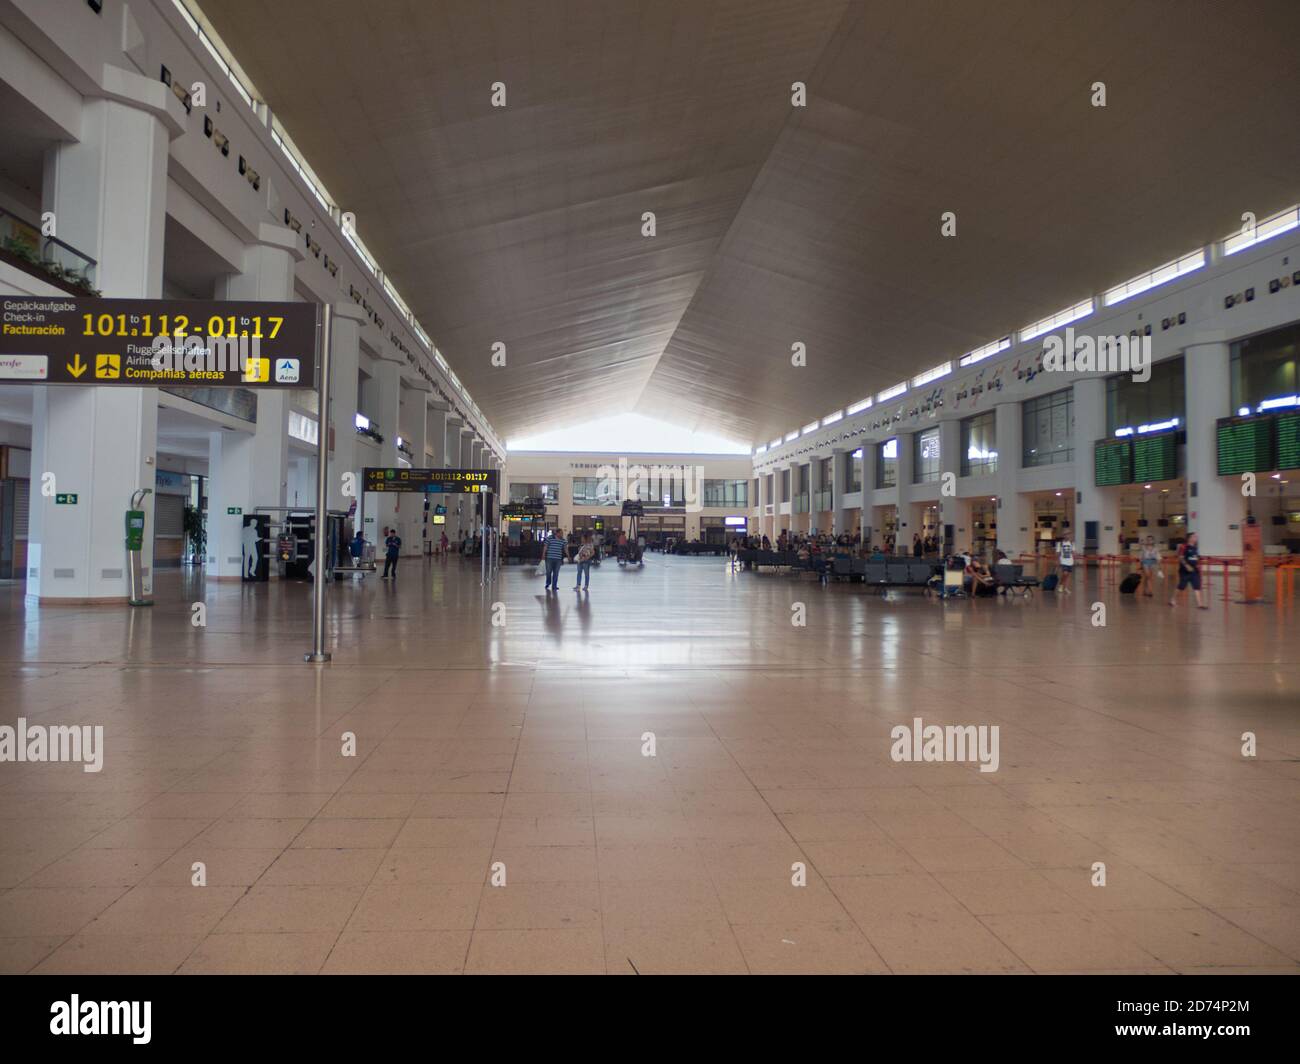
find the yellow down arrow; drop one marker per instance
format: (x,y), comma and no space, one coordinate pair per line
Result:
(76,367)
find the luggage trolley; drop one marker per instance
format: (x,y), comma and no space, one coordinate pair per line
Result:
(633,552)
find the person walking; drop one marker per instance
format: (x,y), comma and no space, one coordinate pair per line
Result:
(443,543)
(1066,550)
(586,552)
(1150,562)
(1189,571)
(554,555)
(392,550)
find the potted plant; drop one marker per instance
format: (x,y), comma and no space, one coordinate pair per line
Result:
(196,534)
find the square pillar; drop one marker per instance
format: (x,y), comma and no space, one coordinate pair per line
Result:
(1098,506)
(108,192)
(1216,508)
(1015,522)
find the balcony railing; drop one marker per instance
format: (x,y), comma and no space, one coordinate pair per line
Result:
(46,257)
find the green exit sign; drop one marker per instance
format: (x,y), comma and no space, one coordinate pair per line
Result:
(65,499)
(234,511)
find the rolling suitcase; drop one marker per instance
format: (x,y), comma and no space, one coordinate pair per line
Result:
(1049,582)
(1130,584)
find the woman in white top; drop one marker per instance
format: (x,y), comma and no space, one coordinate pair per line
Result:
(1150,558)
(1066,550)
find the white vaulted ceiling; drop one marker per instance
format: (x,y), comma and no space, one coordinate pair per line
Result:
(775,224)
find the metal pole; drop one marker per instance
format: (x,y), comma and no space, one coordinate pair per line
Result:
(318,653)
(483,544)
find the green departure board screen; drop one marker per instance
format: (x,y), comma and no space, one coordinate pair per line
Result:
(1113,462)
(1288,440)
(1155,457)
(1245,444)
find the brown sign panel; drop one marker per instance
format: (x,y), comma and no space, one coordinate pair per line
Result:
(157,342)
(431,481)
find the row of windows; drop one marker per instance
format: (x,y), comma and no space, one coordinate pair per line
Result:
(1048,438)
(599,491)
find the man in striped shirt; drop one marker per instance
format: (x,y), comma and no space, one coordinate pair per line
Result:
(554,554)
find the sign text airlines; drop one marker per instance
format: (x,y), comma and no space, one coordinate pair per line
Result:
(143,342)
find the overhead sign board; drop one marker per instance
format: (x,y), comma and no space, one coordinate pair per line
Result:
(523,509)
(157,342)
(432,481)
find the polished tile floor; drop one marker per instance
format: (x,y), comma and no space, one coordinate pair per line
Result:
(516,750)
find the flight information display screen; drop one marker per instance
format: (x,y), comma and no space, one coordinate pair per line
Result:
(1112,463)
(1155,457)
(1288,440)
(431,481)
(1246,444)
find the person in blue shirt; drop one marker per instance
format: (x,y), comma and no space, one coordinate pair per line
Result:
(554,555)
(1189,571)
(358,548)
(392,549)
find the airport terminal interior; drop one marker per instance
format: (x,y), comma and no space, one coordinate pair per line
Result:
(649,487)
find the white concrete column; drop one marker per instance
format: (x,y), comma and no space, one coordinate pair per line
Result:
(1099,505)
(384,507)
(108,192)
(839,471)
(951,510)
(1015,521)
(344,366)
(436,431)
(253,471)
(1216,509)
(903,493)
(231,461)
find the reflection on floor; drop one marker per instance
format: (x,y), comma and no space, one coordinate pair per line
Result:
(517,751)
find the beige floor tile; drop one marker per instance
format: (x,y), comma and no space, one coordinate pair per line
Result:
(249,833)
(696,949)
(399,953)
(180,910)
(434,864)
(222,867)
(292,908)
(318,867)
(547,864)
(260,953)
(520,906)
(650,862)
(660,904)
(447,831)
(859,857)
(347,834)
(1070,942)
(416,907)
(1276,927)
(949,943)
(545,952)
(1016,890)
(88,867)
(1191,938)
(19,955)
(808,949)
(133,954)
(526,750)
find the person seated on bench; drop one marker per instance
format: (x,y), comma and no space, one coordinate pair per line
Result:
(877,555)
(980,582)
